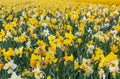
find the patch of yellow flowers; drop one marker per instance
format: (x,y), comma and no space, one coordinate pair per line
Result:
(59,39)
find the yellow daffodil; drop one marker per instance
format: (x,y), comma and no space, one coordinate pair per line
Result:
(49,58)
(8,54)
(42,44)
(68,58)
(76,65)
(35,60)
(22,38)
(117,28)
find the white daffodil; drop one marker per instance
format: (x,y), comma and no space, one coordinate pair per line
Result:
(44,24)
(45,32)
(77,33)
(100,34)
(47,18)
(90,31)
(10,66)
(90,49)
(14,76)
(84,18)
(87,61)
(76,25)
(88,14)
(23,13)
(90,70)
(114,32)
(101,74)
(113,66)
(28,44)
(38,73)
(8,34)
(16,39)
(114,37)
(34,16)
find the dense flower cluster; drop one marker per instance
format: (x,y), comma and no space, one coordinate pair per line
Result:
(59,39)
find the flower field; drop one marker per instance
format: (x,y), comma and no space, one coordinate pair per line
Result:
(59,39)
